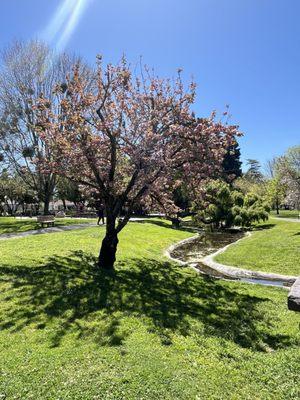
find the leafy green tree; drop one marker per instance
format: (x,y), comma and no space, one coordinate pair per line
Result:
(254,173)
(222,207)
(246,184)
(14,193)
(276,191)
(69,191)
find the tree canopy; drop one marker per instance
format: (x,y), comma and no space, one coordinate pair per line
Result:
(126,136)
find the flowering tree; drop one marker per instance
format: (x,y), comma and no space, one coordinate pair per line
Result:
(289,169)
(126,137)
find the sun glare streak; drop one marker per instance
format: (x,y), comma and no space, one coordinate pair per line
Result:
(64,22)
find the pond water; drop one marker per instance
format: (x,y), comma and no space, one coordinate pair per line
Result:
(207,243)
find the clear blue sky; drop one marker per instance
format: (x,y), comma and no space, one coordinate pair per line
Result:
(245,53)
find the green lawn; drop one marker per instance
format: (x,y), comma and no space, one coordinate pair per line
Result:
(273,247)
(286,214)
(151,330)
(13,225)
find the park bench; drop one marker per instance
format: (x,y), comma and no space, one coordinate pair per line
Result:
(46,220)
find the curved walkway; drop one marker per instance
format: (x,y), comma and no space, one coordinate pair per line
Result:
(42,231)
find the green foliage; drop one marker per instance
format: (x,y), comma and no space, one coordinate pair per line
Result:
(14,192)
(254,173)
(181,197)
(231,164)
(247,185)
(68,190)
(222,206)
(276,191)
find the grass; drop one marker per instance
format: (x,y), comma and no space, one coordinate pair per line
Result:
(286,214)
(273,247)
(13,225)
(150,330)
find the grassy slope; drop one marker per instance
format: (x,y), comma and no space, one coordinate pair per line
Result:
(273,247)
(152,330)
(13,225)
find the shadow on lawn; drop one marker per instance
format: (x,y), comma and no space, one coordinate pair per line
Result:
(263,227)
(183,226)
(74,296)
(17,226)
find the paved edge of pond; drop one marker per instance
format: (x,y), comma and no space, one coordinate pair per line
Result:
(227,271)
(42,231)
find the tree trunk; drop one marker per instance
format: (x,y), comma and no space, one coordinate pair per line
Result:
(277,207)
(107,256)
(46,205)
(64,204)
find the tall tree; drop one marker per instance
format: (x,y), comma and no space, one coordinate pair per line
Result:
(232,164)
(276,191)
(289,167)
(28,70)
(254,173)
(126,138)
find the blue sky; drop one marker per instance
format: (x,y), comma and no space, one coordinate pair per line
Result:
(245,53)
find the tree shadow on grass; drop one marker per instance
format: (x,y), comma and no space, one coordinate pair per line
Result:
(163,223)
(17,226)
(74,296)
(263,227)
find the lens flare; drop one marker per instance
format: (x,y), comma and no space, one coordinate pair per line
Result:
(62,25)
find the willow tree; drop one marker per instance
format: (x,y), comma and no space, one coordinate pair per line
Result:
(126,137)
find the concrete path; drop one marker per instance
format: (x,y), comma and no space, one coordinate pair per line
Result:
(287,219)
(42,231)
(55,229)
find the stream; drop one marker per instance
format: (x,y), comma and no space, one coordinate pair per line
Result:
(207,243)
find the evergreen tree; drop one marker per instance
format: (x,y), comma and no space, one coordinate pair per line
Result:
(232,164)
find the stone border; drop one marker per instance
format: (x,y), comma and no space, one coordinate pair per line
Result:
(173,247)
(229,272)
(237,273)
(294,296)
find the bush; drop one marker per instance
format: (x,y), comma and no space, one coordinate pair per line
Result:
(222,207)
